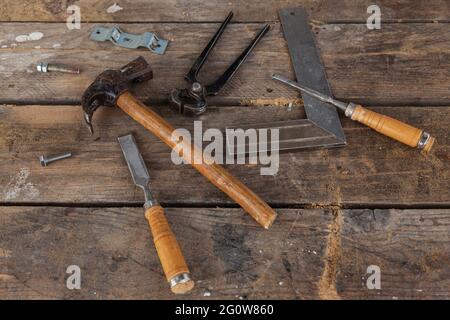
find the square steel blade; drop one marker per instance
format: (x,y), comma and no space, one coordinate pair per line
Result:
(309,70)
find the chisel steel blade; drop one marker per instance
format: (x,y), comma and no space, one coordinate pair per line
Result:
(134,160)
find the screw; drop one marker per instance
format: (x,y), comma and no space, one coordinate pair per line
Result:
(154,45)
(46,67)
(45,161)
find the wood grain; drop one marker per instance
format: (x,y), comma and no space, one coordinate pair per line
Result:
(230,258)
(80,213)
(372,170)
(404,64)
(216,10)
(409,246)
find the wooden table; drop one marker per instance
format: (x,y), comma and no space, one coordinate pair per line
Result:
(374,202)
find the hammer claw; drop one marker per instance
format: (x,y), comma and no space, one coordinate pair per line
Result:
(110,84)
(87,120)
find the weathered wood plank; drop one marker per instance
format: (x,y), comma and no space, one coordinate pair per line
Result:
(19,62)
(409,246)
(230,257)
(216,10)
(401,64)
(371,170)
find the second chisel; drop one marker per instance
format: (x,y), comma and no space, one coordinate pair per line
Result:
(388,126)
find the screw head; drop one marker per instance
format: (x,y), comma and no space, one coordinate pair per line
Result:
(43,161)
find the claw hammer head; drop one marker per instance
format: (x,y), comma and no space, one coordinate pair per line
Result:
(110,84)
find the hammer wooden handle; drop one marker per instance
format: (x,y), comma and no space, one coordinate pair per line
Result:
(392,128)
(220,177)
(169,251)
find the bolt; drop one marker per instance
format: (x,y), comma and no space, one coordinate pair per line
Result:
(46,67)
(46,160)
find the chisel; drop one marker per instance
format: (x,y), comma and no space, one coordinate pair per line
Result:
(169,252)
(388,126)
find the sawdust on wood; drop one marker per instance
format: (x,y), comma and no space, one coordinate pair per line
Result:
(6,277)
(4,253)
(435,157)
(327,283)
(319,205)
(278,102)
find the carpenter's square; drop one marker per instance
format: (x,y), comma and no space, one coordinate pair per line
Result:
(169,252)
(388,126)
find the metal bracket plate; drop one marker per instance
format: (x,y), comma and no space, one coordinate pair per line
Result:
(322,127)
(131,41)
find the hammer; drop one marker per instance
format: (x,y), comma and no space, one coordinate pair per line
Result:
(111,88)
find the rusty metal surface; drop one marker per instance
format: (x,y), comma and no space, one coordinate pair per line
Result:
(110,84)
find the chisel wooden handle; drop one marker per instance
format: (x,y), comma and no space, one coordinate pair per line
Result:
(169,251)
(393,128)
(220,177)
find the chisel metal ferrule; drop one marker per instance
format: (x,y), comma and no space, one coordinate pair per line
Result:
(350,110)
(150,203)
(424,140)
(179,279)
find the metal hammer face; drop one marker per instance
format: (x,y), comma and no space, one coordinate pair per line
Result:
(110,84)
